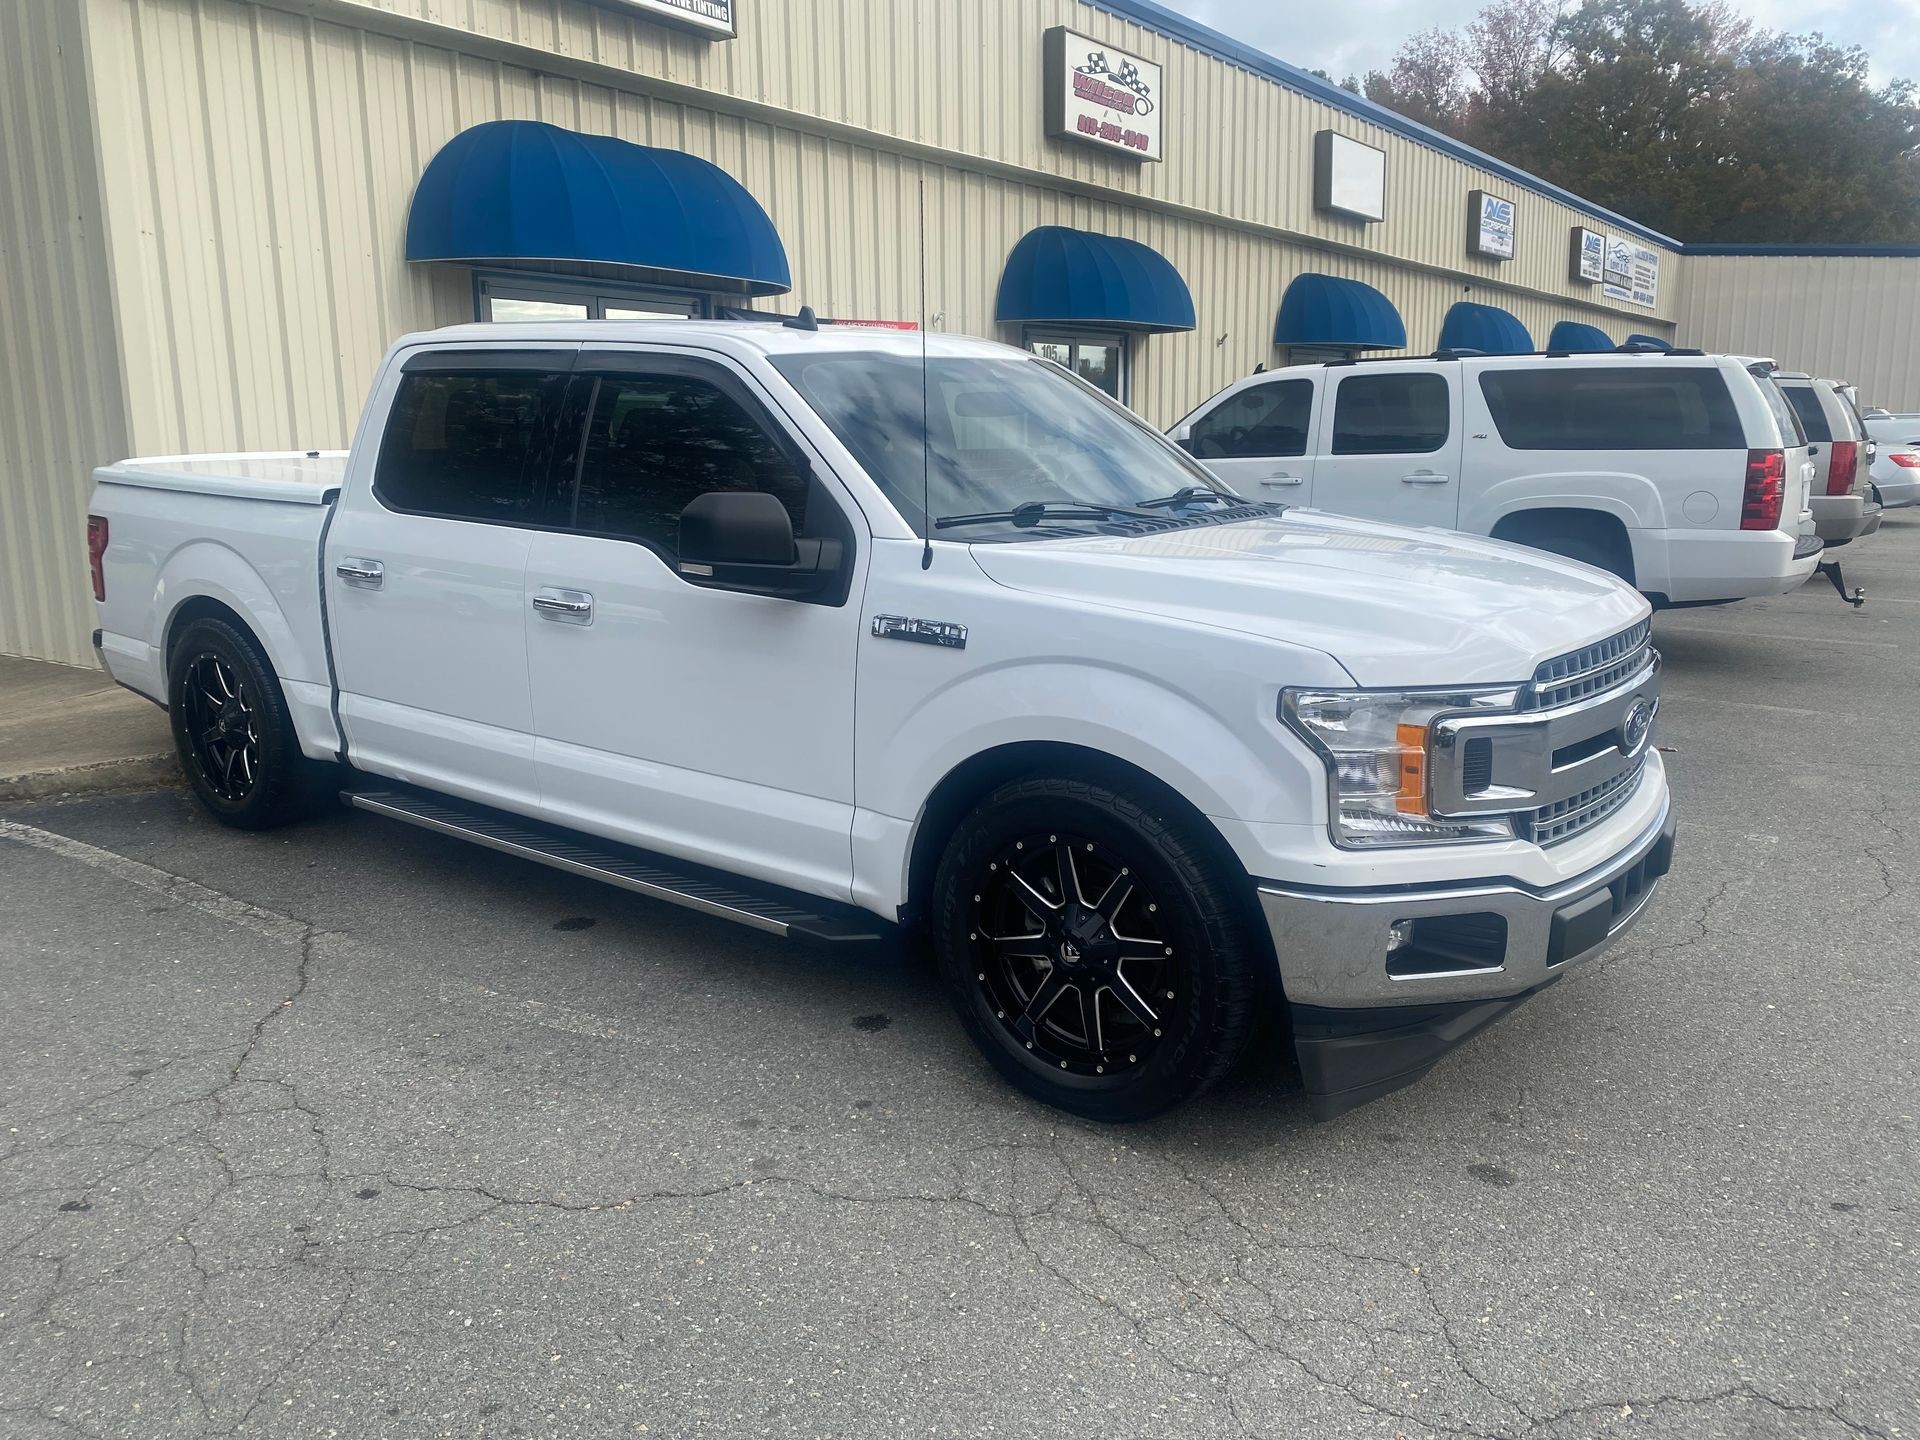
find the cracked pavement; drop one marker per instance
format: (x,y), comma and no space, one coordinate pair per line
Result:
(353,1130)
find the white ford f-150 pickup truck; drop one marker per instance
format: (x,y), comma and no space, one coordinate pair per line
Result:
(807,630)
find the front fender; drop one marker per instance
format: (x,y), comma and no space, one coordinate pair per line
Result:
(1238,766)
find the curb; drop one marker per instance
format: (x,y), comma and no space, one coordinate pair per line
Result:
(102,777)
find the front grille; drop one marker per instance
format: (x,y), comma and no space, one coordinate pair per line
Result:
(1590,669)
(1564,819)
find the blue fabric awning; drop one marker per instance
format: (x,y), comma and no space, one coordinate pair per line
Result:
(1648,342)
(522,190)
(1074,277)
(1326,310)
(1487,329)
(1570,337)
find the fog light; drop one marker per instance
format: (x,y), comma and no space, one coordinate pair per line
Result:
(1399,935)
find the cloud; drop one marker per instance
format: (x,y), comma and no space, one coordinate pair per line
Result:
(1361,35)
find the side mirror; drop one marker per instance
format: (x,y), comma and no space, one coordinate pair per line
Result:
(1182,435)
(743,540)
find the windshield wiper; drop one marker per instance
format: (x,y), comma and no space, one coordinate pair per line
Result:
(1034,511)
(1191,494)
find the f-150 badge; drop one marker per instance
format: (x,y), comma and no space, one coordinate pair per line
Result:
(924,632)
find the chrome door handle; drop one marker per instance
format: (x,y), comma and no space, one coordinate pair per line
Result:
(570,607)
(356,571)
(1424,477)
(1275,481)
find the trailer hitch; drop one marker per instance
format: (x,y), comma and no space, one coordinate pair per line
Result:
(1831,569)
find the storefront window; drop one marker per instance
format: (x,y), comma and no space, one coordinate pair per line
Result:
(560,298)
(1100,360)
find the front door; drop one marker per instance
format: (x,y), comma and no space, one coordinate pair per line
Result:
(1388,444)
(701,723)
(425,569)
(1255,439)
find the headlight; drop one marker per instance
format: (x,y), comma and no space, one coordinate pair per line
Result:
(1376,745)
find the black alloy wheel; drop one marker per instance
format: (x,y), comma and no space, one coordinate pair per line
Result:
(1099,945)
(232,729)
(1071,955)
(223,731)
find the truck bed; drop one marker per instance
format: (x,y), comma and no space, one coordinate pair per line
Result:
(241,531)
(293,477)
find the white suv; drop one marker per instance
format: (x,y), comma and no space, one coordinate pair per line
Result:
(1842,509)
(1684,474)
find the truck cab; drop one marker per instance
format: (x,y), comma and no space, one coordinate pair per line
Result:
(837,634)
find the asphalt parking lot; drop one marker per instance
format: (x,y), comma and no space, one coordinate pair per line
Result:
(353,1130)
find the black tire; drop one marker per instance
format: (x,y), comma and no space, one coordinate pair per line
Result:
(232,731)
(1103,1064)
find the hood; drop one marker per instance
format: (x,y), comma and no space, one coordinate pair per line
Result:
(1394,605)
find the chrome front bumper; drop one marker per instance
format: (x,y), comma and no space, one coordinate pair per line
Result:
(1471,942)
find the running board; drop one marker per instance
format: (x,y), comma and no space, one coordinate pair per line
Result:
(776,911)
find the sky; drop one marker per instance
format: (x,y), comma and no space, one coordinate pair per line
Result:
(1356,36)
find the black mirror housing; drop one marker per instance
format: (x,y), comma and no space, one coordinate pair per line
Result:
(736,527)
(743,540)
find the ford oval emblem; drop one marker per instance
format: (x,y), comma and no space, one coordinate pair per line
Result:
(1635,728)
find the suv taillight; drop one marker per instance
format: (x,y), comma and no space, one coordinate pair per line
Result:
(1843,464)
(96,553)
(1905,461)
(1766,490)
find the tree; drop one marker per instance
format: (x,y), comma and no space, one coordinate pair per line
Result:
(1679,114)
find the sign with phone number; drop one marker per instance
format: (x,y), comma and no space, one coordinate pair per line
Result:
(1101,95)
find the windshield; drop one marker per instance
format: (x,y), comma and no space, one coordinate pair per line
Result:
(1000,433)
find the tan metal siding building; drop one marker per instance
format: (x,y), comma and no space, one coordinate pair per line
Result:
(207,203)
(1848,313)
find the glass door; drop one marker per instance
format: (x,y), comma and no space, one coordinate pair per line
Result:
(1100,360)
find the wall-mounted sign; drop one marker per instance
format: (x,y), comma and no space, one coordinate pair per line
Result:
(1101,95)
(1489,226)
(1588,262)
(710,17)
(1631,273)
(1349,178)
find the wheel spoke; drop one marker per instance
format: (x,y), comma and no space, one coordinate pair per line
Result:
(1090,1016)
(226,683)
(1019,947)
(1069,872)
(1033,895)
(1044,997)
(1108,906)
(1132,948)
(1131,1000)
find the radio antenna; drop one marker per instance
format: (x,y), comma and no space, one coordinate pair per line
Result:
(926,461)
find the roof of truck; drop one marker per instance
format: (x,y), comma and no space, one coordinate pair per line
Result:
(734,336)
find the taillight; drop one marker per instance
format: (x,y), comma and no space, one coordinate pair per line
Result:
(1843,465)
(1905,461)
(96,553)
(1766,490)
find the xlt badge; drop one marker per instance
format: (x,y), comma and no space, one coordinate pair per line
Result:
(925,632)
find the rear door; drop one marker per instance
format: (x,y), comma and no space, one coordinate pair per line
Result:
(425,571)
(1387,443)
(1254,437)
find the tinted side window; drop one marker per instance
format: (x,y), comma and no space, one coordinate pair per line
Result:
(469,446)
(1613,408)
(1390,414)
(1806,405)
(1269,419)
(656,442)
